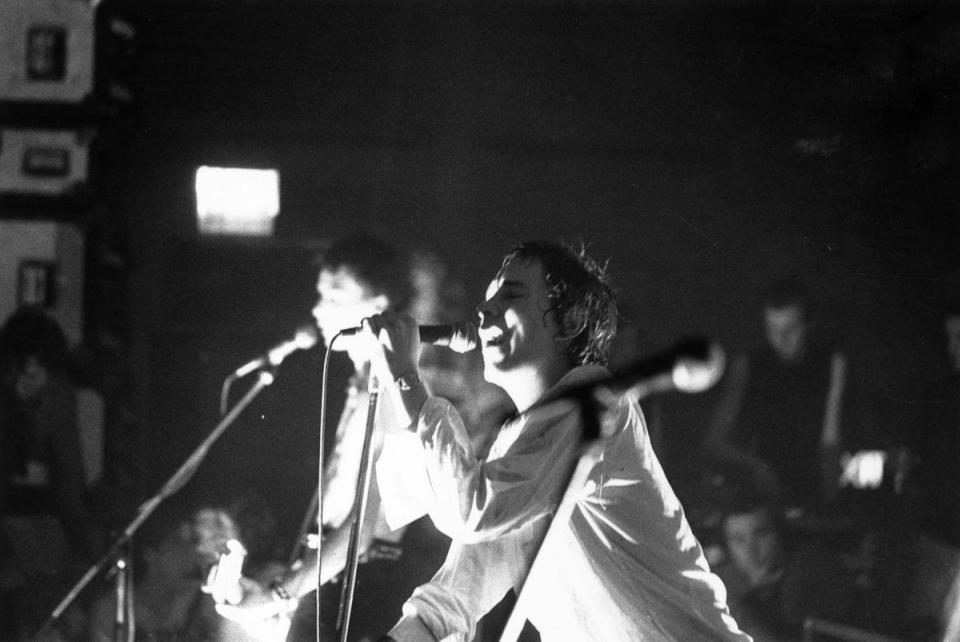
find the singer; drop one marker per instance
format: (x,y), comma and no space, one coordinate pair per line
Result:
(626,566)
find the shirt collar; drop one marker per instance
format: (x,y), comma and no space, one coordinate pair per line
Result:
(577,377)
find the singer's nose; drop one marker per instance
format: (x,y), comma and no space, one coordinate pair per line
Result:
(485,311)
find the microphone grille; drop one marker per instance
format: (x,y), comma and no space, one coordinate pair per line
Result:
(464,337)
(306,337)
(699,370)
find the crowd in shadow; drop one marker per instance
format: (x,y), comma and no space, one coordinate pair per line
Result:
(824,519)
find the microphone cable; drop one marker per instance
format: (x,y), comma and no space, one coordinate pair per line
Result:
(320,455)
(318,496)
(225,392)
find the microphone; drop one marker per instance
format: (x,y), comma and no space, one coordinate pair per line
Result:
(694,364)
(460,337)
(304,339)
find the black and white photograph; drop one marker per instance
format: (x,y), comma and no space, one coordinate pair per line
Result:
(480,321)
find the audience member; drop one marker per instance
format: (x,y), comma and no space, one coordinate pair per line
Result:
(45,529)
(780,419)
(774,584)
(935,476)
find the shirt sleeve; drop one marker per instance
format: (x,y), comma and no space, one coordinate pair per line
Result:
(433,471)
(473,579)
(526,471)
(497,512)
(522,478)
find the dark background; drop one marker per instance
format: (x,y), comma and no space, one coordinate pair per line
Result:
(704,148)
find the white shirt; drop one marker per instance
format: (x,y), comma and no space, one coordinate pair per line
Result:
(625,567)
(343,466)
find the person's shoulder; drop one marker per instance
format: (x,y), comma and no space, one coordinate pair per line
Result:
(581,375)
(565,393)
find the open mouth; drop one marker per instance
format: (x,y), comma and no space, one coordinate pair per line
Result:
(497,340)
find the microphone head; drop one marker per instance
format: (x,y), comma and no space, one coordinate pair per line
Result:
(464,337)
(698,366)
(306,337)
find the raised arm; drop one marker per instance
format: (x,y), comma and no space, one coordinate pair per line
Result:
(395,350)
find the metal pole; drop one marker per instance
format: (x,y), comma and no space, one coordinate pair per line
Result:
(362,493)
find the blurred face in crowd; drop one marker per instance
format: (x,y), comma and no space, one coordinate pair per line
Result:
(343,302)
(952,328)
(754,544)
(175,559)
(786,331)
(517,332)
(191,547)
(30,381)
(211,529)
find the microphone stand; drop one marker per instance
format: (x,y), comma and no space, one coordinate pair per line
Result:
(177,481)
(362,494)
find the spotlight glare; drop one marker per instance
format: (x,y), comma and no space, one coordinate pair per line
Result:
(237,201)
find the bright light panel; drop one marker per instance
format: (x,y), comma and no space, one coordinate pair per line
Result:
(237,201)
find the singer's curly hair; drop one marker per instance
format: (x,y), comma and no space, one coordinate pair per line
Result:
(582,300)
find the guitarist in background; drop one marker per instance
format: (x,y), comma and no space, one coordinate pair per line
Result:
(358,277)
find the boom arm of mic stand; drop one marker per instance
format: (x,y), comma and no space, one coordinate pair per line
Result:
(174,484)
